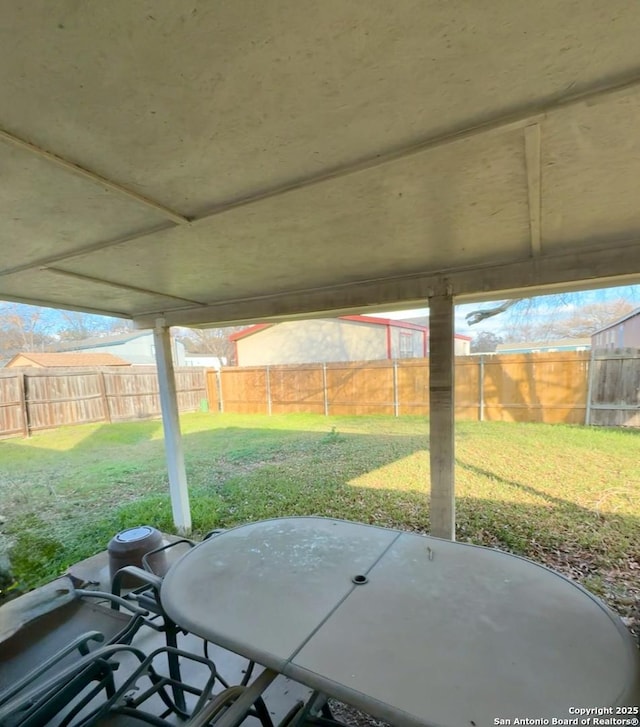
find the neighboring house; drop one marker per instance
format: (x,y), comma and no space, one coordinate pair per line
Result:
(622,333)
(55,360)
(136,347)
(563,344)
(204,359)
(348,338)
(462,343)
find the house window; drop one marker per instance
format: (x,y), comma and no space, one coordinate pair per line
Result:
(406,344)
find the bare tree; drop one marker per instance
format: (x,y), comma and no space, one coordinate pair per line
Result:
(568,315)
(24,328)
(477,316)
(77,326)
(571,322)
(215,341)
(485,342)
(33,328)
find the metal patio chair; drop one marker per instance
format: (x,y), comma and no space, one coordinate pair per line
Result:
(51,627)
(47,620)
(147,596)
(52,667)
(71,697)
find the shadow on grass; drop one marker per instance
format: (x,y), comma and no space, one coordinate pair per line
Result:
(63,505)
(240,474)
(559,501)
(582,544)
(588,549)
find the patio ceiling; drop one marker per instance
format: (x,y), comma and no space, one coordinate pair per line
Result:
(234,161)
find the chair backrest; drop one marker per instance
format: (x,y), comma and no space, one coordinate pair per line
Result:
(49,633)
(17,613)
(45,631)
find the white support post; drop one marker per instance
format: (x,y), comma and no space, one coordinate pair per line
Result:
(441,418)
(171,424)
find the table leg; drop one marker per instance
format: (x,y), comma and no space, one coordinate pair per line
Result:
(315,712)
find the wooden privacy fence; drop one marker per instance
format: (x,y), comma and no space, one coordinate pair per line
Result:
(614,388)
(569,387)
(34,399)
(543,387)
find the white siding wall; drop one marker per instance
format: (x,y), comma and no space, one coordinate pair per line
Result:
(139,351)
(318,341)
(462,347)
(326,340)
(406,343)
(631,335)
(622,335)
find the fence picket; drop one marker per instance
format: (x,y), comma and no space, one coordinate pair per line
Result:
(547,387)
(58,397)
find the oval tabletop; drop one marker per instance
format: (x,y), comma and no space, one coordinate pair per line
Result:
(412,629)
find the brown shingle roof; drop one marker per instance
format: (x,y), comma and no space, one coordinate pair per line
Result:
(48,360)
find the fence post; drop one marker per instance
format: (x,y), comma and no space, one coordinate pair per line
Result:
(268,369)
(590,375)
(325,393)
(395,388)
(219,387)
(481,388)
(22,392)
(103,393)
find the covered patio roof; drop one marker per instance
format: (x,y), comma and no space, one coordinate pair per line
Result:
(223,162)
(207,163)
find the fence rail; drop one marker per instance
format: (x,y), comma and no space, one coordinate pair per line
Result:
(614,388)
(544,387)
(569,387)
(36,399)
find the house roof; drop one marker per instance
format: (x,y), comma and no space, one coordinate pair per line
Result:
(99,341)
(370,320)
(52,360)
(190,354)
(618,321)
(317,160)
(556,343)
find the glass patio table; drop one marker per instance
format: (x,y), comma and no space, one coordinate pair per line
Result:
(411,629)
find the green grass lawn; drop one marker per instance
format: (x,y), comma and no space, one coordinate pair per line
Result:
(566,496)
